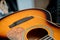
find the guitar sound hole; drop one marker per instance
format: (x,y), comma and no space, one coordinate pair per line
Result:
(36,34)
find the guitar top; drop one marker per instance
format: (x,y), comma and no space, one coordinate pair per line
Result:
(34,22)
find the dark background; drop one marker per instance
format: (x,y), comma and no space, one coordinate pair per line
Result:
(54,8)
(12,4)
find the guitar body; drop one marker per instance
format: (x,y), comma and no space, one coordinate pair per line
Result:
(29,20)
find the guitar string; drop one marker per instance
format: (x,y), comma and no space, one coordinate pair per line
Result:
(47,37)
(47,21)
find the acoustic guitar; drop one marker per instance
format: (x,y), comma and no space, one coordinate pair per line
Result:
(35,23)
